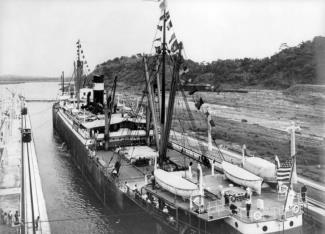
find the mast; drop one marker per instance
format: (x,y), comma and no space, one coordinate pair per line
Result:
(79,73)
(171,101)
(162,152)
(158,87)
(62,80)
(108,112)
(151,102)
(209,131)
(163,75)
(292,130)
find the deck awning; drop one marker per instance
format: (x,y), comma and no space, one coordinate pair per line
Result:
(116,118)
(137,152)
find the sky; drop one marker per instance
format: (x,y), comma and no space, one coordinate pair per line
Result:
(38,37)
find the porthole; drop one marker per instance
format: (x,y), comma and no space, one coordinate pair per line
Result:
(236,224)
(264,228)
(291,223)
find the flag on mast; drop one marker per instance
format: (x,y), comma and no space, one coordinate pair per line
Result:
(172,37)
(169,25)
(174,46)
(284,171)
(165,16)
(158,49)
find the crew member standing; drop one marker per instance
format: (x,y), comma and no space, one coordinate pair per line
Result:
(303,192)
(37,222)
(248,196)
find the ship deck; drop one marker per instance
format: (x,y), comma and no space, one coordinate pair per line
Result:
(133,177)
(272,202)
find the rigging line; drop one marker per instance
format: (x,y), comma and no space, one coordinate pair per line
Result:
(186,141)
(71,78)
(178,112)
(185,138)
(128,131)
(219,151)
(191,116)
(137,118)
(154,74)
(170,69)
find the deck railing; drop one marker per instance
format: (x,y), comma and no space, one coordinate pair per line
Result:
(271,213)
(217,209)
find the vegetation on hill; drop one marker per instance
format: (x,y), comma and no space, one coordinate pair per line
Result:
(301,64)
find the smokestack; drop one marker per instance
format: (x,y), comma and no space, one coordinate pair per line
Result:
(98,89)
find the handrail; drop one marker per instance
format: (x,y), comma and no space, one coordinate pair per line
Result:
(312,184)
(315,202)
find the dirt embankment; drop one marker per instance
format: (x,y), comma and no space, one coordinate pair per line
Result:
(260,118)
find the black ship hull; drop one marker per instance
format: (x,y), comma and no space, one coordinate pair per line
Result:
(131,207)
(107,191)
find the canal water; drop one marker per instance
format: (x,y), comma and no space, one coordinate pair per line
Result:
(71,204)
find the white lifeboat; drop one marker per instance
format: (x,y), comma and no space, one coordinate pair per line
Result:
(242,177)
(174,183)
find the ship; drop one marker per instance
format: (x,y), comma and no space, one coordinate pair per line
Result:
(130,155)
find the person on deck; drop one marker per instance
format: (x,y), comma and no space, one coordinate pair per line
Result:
(248,196)
(37,222)
(5,218)
(16,221)
(10,218)
(233,208)
(1,216)
(153,182)
(226,196)
(303,192)
(165,210)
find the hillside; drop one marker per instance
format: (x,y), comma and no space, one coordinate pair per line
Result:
(301,64)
